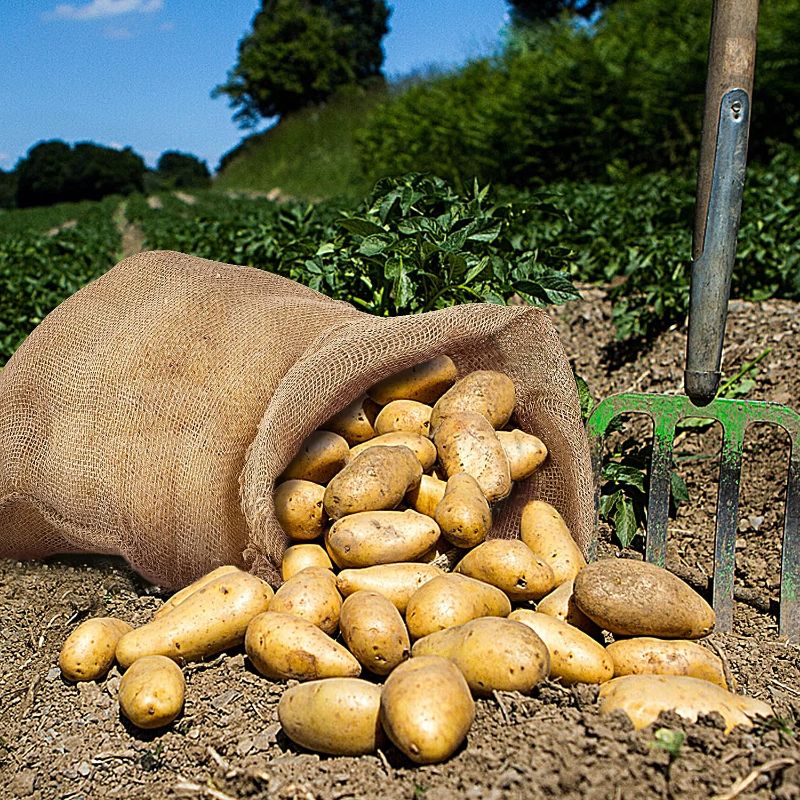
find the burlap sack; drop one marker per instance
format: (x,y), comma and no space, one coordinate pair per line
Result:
(150,413)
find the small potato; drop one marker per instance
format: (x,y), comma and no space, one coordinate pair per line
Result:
(509,565)
(338,716)
(427,709)
(648,656)
(422,447)
(151,692)
(493,654)
(180,596)
(374,480)
(644,697)
(525,452)
(319,458)
(212,619)
(355,422)
(299,556)
(312,595)
(288,647)
(561,605)
(451,600)
(574,656)
(404,415)
(466,442)
(425,382)
(299,509)
(634,598)
(88,652)
(543,529)
(463,514)
(374,632)
(396,582)
(380,537)
(427,495)
(490,394)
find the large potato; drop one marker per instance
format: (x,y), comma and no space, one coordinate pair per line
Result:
(289,647)
(374,632)
(422,447)
(299,556)
(375,480)
(451,600)
(634,598)
(338,716)
(574,656)
(648,656)
(312,595)
(509,565)
(644,697)
(320,457)
(463,514)
(543,529)
(404,415)
(151,692)
(396,582)
(561,605)
(210,620)
(355,422)
(525,452)
(492,654)
(88,651)
(180,596)
(427,709)
(466,442)
(490,394)
(427,495)
(425,382)
(299,509)
(380,537)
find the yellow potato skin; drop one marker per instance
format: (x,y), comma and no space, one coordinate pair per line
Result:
(427,709)
(425,382)
(374,632)
(88,652)
(180,596)
(212,619)
(151,692)
(312,595)
(463,514)
(486,392)
(525,452)
(543,529)
(574,656)
(493,654)
(419,445)
(319,458)
(299,556)
(337,716)
(396,582)
(425,497)
(355,423)
(404,415)
(284,646)
(561,605)
(299,509)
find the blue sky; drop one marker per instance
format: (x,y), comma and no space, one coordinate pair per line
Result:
(139,72)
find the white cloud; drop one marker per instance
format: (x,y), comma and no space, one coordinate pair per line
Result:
(95,9)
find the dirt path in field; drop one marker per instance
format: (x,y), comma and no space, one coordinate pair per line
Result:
(131,233)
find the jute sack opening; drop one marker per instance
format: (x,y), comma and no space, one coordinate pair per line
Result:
(150,414)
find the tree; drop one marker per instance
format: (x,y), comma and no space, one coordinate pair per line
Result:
(301,51)
(526,11)
(43,174)
(183,170)
(8,189)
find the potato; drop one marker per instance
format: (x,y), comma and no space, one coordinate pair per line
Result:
(210,620)
(312,595)
(396,582)
(88,651)
(374,632)
(561,605)
(320,457)
(422,447)
(151,692)
(375,480)
(492,654)
(289,647)
(299,509)
(634,598)
(380,537)
(180,596)
(425,382)
(543,529)
(427,709)
(355,422)
(509,565)
(490,394)
(644,697)
(404,415)
(463,514)
(425,497)
(574,656)
(338,716)
(525,452)
(299,556)
(451,600)
(648,656)
(466,442)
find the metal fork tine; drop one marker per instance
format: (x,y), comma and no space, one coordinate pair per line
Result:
(790,557)
(658,503)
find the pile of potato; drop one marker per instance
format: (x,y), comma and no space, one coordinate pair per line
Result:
(390,507)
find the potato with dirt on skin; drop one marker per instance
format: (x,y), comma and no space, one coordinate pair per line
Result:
(319,458)
(493,654)
(561,605)
(312,595)
(337,716)
(179,597)
(451,600)
(88,652)
(151,692)
(543,529)
(486,392)
(425,497)
(404,415)
(466,442)
(374,632)
(525,452)
(299,509)
(509,565)
(284,646)
(396,582)
(463,514)
(422,447)
(427,709)
(355,422)
(425,382)
(375,480)
(299,556)
(210,620)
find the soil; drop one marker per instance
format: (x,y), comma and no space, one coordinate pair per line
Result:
(66,741)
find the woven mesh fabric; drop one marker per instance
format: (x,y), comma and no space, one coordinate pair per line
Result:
(149,415)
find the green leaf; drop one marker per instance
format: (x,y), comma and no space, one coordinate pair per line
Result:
(585,398)
(624,519)
(669,740)
(678,488)
(360,226)
(624,474)
(375,244)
